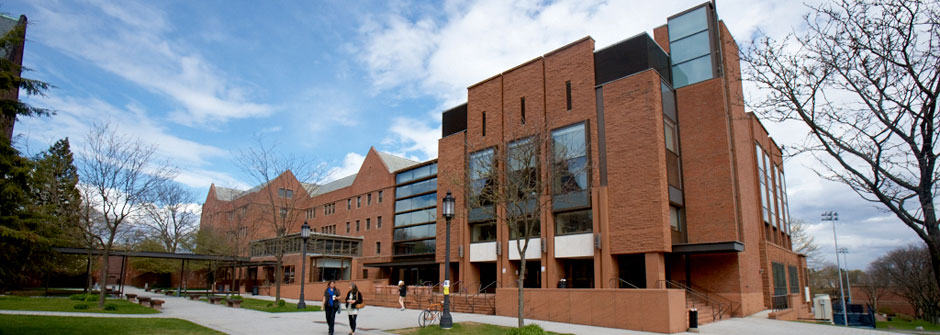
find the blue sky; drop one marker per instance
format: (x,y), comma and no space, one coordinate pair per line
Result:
(327,80)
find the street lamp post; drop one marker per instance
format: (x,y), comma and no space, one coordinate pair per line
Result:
(448,210)
(833,216)
(304,235)
(848,282)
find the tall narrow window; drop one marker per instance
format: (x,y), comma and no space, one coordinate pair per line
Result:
(369,199)
(484,124)
(378,248)
(378,223)
(347,227)
(357,225)
(380,196)
(359,202)
(349,203)
(522,109)
(568,94)
(368,223)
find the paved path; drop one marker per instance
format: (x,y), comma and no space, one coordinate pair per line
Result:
(372,320)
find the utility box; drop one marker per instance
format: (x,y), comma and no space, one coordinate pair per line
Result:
(822,307)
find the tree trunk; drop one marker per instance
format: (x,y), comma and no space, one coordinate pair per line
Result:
(88,274)
(521,295)
(279,275)
(104,276)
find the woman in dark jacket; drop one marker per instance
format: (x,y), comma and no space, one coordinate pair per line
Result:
(331,304)
(353,303)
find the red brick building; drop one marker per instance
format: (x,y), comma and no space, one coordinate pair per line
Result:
(675,194)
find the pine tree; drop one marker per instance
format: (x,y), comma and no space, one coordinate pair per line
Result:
(24,234)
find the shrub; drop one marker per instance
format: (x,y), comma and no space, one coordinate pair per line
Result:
(281,303)
(81,306)
(110,307)
(527,330)
(79,297)
(235,297)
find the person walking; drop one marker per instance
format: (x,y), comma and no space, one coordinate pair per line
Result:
(402,292)
(331,304)
(353,304)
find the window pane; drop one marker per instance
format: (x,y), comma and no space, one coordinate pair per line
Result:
(425,215)
(569,149)
(694,46)
(536,230)
(416,188)
(693,71)
(675,218)
(688,24)
(483,232)
(574,222)
(481,173)
(416,232)
(414,247)
(421,201)
(670,135)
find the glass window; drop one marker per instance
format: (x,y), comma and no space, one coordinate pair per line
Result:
(762,178)
(574,222)
(483,232)
(378,223)
(690,47)
(693,71)
(416,232)
(421,201)
(414,247)
(357,225)
(368,223)
(569,149)
(675,218)
(369,199)
(416,188)
(359,201)
(794,279)
(688,23)
(671,136)
(380,196)
(410,218)
(522,156)
(482,177)
(416,173)
(519,231)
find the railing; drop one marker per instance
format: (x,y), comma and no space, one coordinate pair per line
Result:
(779,302)
(719,308)
(617,282)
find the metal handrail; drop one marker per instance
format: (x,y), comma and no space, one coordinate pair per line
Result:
(612,282)
(717,313)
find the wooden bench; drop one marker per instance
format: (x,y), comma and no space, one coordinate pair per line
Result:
(156,304)
(215,299)
(143,300)
(130,296)
(234,303)
(194,296)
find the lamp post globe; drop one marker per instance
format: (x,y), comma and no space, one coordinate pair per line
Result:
(304,235)
(447,209)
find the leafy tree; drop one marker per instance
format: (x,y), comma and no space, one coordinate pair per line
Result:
(864,78)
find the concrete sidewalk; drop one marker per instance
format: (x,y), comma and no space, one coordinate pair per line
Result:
(373,320)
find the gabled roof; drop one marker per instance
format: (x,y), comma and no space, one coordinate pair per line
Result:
(227,194)
(392,162)
(395,163)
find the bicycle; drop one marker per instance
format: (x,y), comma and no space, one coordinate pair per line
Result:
(430,315)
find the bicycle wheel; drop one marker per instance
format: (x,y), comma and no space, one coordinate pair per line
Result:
(425,318)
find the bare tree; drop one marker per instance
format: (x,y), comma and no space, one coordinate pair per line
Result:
(239,234)
(170,217)
(280,203)
(864,77)
(120,174)
(803,242)
(91,228)
(910,273)
(874,282)
(515,193)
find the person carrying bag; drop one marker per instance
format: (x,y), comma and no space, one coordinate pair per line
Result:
(353,305)
(331,304)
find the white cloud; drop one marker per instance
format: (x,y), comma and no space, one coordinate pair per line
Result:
(413,136)
(350,165)
(133,42)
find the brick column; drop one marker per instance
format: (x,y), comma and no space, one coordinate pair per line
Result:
(655,269)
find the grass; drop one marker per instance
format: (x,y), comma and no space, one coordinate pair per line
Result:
(56,304)
(910,325)
(30,324)
(469,328)
(271,307)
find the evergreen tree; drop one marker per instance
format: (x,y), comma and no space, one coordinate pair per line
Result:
(24,235)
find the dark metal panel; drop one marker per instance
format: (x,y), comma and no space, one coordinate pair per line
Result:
(454,120)
(706,248)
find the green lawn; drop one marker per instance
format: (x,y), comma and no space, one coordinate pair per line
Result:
(31,324)
(469,328)
(271,307)
(901,324)
(58,304)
